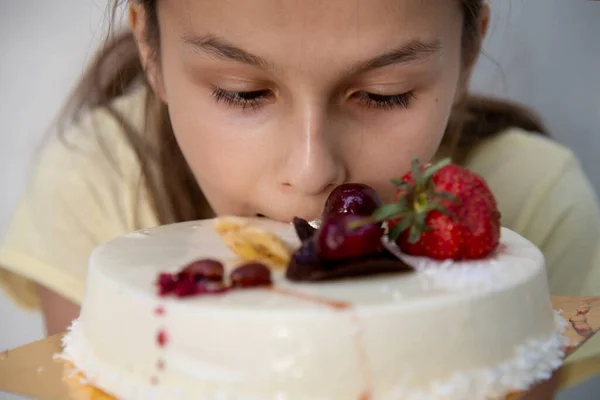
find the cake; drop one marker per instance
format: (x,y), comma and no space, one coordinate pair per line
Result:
(403,327)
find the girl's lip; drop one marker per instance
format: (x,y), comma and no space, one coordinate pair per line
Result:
(315,223)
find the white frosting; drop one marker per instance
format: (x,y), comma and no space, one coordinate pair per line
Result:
(407,336)
(532,362)
(488,274)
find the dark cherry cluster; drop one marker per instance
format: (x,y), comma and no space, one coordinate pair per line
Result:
(206,276)
(347,244)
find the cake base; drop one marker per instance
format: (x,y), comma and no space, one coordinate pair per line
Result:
(538,360)
(31,371)
(79,390)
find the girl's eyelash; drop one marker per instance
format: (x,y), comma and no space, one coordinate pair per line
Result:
(254,99)
(241,99)
(384,102)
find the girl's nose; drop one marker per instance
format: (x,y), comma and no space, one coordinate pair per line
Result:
(314,163)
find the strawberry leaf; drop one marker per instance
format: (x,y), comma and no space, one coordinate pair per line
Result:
(414,235)
(416,171)
(404,186)
(435,168)
(443,210)
(389,211)
(420,222)
(399,228)
(446,196)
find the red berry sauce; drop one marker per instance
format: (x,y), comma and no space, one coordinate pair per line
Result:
(162,338)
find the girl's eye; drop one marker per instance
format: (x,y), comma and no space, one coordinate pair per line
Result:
(380,101)
(241,99)
(256,98)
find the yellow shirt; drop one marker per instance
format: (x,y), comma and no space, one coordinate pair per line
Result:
(87,191)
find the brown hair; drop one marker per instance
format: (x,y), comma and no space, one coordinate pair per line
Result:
(117,70)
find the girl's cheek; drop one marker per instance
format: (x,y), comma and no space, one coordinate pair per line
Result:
(387,151)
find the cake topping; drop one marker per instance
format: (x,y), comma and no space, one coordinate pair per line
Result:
(166,284)
(190,287)
(209,270)
(260,250)
(442,211)
(348,243)
(304,268)
(337,239)
(339,250)
(203,276)
(352,198)
(303,228)
(252,243)
(251,275)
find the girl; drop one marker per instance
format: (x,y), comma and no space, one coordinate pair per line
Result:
(262,107)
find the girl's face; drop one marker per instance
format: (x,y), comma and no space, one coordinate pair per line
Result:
(276,102)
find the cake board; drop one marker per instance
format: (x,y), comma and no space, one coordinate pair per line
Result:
(32,371)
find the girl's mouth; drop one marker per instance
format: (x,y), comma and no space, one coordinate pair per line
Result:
(315,223)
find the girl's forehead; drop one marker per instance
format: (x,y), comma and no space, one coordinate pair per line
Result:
(336,18)
(315,28)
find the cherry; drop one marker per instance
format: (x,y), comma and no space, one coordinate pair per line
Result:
(206,269)
(185,287)
(197,278)
(251,275)
(205,277)
(352,198)
(166,284)
(339,239)
(211,288)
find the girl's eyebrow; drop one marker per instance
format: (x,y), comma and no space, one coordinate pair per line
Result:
(220,48)
(409,52)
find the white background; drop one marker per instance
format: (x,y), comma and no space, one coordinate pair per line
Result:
(545,53)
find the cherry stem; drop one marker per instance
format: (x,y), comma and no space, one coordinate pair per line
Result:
(356,224)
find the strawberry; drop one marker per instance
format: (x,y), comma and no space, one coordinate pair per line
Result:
(442,211)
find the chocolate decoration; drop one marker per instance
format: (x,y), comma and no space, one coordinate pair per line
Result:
(305,270)
(306,266)
(303,229)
